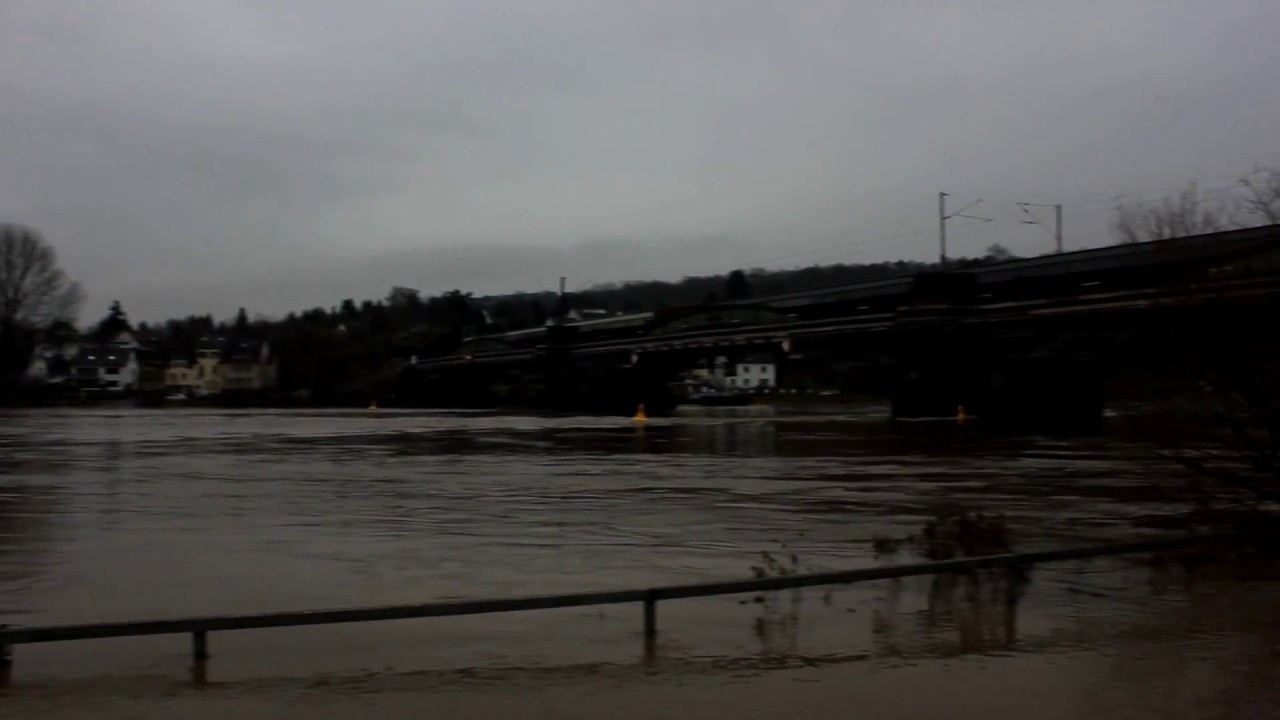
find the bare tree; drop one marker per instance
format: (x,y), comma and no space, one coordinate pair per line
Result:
(1262,201)
(1189,212)
(34,291)
(998,252)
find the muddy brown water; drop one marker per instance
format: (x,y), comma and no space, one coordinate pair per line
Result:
(121,513)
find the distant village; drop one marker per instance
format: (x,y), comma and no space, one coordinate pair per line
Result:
(133,363)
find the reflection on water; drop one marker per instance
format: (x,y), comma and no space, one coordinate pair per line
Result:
(751,438)
(26,516)
(968,613)
(127,514)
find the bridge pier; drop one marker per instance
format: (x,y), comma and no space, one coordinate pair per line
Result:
(650,380)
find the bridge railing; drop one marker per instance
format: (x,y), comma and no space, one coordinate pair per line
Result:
(200,627)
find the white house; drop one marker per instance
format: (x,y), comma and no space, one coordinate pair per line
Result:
(106,368)
(51,361)
(125,339)
(753,372)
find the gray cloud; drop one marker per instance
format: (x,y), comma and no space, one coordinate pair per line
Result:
(204,156)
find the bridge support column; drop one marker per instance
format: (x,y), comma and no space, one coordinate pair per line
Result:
(650,383)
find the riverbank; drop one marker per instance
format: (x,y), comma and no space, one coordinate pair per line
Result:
(1202,649)
(1155,679)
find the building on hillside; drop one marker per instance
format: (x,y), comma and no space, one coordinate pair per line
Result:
(221,366)
(180,376)
(124,339)
(583,314)
(152,374)
(208,379)
(248,367)
(105,368)
(753,372)
(51,359)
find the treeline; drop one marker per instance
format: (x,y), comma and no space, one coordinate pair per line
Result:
(332,352)
(515,312)
(326,353)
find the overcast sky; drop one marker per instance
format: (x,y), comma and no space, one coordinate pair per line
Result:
(201,155)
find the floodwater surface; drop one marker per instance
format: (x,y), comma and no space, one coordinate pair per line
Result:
(122,514)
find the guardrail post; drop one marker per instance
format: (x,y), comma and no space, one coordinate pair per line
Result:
(6,662)
(650,626)
(200,657)
(650,614)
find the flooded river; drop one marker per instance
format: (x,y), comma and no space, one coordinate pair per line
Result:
(118,514)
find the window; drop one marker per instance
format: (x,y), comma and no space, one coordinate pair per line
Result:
(764,369)
(746,369)
(112,371)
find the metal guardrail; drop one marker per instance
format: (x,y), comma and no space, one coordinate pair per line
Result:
(200,627)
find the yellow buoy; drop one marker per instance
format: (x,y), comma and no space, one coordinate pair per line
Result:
(640,416)
(960,417)
(373,406)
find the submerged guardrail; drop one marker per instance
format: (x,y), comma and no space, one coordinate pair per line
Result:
(200,627)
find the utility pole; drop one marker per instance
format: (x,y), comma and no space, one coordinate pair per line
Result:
(1057,226)
(943,217)
(942,228)
(1057,220)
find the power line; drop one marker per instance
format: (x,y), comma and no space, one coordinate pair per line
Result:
(943,217)
(1204,191)
(1077,201)
(1077,193)
(1057,225)
(1096,198)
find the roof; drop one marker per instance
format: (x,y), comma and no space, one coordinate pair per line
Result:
(152,357)
(757,360)
(61,334)
(211,343)
(144,336)
(103,356)
(247,352)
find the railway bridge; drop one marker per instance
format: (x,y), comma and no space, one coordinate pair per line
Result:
(1020,339)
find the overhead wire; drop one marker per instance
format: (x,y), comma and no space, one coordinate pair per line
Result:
(1073,195)
(1078,201)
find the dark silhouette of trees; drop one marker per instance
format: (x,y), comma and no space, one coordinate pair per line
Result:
(1191,211)
(113,324)
(328,352)
(34,291)
(348,310)
(737,286)
(998,252)
(561,308)
(516,313)
(241,328)
(1261,202)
